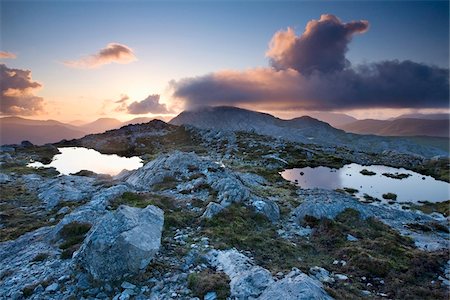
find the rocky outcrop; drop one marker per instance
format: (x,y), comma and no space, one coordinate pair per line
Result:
(62,188)
(122,242)
(193,176)
(249,281)
(321,203)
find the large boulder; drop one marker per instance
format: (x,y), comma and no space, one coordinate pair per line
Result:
(122,242)
(296,285)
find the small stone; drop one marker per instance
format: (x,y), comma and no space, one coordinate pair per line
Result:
(52,288)
(351,238)
(366,292)
(101,295)
(126,285)
(341,276)
(64,210)
(210,296)
(63,278)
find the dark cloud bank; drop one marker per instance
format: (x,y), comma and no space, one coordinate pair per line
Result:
(16,90)
(311,72)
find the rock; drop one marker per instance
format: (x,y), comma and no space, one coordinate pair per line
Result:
(127,285)
(268,208)
(123,241)
(351,238)
(341,276)
(210,296)
(321,274)
(203,177)
(65,188)
(52,288)
(64,210)
(212,209)
(320,203)
(4,178)
(26,144)
(295,286)
(246,279)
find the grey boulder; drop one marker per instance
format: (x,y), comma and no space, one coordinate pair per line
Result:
(122,242)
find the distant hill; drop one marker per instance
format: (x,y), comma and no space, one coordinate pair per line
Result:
(14,130)
(334,119)
(400,127)
(101,125)
(440,116)
(304,130)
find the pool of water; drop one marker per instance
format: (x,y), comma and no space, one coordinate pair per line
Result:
(415,188)
(74,159)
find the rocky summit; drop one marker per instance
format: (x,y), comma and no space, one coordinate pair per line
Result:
(208,216)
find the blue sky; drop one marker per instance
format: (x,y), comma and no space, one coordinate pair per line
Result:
(177,39)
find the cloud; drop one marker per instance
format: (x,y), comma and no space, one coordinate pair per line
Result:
(310,72)
(149,105)
(112,53)
(321,47)
(4,54)
(16,90)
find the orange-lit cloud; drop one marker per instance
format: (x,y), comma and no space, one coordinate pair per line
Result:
(16,92)
(4,54)
(150,104)
(310,72)
(112,53)
(321,47)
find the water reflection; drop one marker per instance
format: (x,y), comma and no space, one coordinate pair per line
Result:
(75,159)
(415,188)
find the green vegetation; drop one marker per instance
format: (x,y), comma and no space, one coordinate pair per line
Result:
(20,211)
(389,196)
(40,257)
(367,172)
(351,191)
(430,207)
(174,215)
(397,175)
(73,235)
(209,281)
(379,252)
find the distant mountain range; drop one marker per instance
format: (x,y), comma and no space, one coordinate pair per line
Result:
(318,126)
(400,127)
(14,130)
(304,130)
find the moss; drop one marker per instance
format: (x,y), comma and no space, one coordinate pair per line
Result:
(20,211)
(40,257)
(209,281)
(351,191)
(429,207)
(389,196)
(73,235)
(367,172)
(397,175)
(169,182)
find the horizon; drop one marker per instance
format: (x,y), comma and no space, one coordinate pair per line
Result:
(271,61)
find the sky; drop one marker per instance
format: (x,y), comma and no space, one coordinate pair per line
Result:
(81,60)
